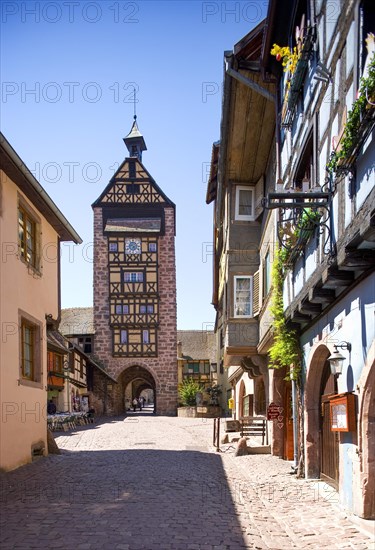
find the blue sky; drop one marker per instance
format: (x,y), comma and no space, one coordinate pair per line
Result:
(68,70)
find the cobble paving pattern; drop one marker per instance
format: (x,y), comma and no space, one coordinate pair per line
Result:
(155,483)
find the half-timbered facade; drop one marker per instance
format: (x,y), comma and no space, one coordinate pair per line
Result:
(322,54)
(134,280)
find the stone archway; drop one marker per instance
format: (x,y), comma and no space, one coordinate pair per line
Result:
(312,410)
(136,379)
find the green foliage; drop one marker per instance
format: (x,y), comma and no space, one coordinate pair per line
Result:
(299,234)
(350,135)
(285,350)
(188,390)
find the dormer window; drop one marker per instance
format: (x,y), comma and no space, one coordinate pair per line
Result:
(132,174)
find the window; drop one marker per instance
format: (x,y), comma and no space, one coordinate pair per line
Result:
(146,336)
(82,364)
(133,188)
(367,25)
(146,309)
(244,203)
(27,237)
(58,363)
(124,336)
(122,309)
(132,164)
(113,247)
(152,247)
(30,352)
(85,343)
(133,277)
(243,296)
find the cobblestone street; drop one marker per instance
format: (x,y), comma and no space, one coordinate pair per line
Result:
(147,482)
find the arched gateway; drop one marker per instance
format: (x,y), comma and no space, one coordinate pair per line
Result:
(135,281)
(134,381)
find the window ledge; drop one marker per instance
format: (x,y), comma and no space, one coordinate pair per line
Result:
(38,385)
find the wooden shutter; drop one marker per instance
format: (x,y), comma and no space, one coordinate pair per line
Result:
(256,294)
(259,193)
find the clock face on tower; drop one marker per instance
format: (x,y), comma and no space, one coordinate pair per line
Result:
(133,246)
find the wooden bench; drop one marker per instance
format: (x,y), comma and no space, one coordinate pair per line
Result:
(254,426)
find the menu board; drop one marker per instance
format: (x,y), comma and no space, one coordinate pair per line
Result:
(342,411)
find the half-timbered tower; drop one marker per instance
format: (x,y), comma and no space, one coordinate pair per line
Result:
(135,283)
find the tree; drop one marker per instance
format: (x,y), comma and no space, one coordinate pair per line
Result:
(188,391)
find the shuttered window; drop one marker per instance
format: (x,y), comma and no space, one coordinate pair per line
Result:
(256,301)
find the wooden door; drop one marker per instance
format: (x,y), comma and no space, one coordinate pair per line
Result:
(288,428)
(329,441)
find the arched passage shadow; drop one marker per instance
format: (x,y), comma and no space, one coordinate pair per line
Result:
(138,498)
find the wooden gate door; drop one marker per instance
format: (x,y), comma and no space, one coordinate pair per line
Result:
(329,447)
(288,419)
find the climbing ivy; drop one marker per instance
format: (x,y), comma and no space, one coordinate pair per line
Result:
(285,350)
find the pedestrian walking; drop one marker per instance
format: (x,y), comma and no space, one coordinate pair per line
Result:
(135,403)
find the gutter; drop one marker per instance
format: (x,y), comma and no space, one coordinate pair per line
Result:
(21,166)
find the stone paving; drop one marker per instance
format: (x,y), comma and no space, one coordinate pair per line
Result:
(156,483)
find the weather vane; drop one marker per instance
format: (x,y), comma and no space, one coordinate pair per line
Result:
(135,103)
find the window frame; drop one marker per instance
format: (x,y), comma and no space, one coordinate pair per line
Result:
(235,278)
(266,274)
(36,378)
(244,217)
(29,215)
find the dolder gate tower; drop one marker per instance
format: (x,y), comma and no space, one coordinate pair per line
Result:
(135,282)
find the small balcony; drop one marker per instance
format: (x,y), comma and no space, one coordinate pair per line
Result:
(347,157)
(296,80)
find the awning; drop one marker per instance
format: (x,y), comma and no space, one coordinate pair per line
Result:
(133,225)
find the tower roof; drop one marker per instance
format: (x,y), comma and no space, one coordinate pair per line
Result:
(134,141)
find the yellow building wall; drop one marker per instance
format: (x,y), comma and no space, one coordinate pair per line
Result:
(23,408)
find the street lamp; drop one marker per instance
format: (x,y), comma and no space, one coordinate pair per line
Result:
(336,360)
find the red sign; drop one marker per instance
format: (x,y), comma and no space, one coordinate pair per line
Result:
(273,411)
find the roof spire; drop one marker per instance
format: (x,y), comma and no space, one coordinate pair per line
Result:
(134,141)
(135,103)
